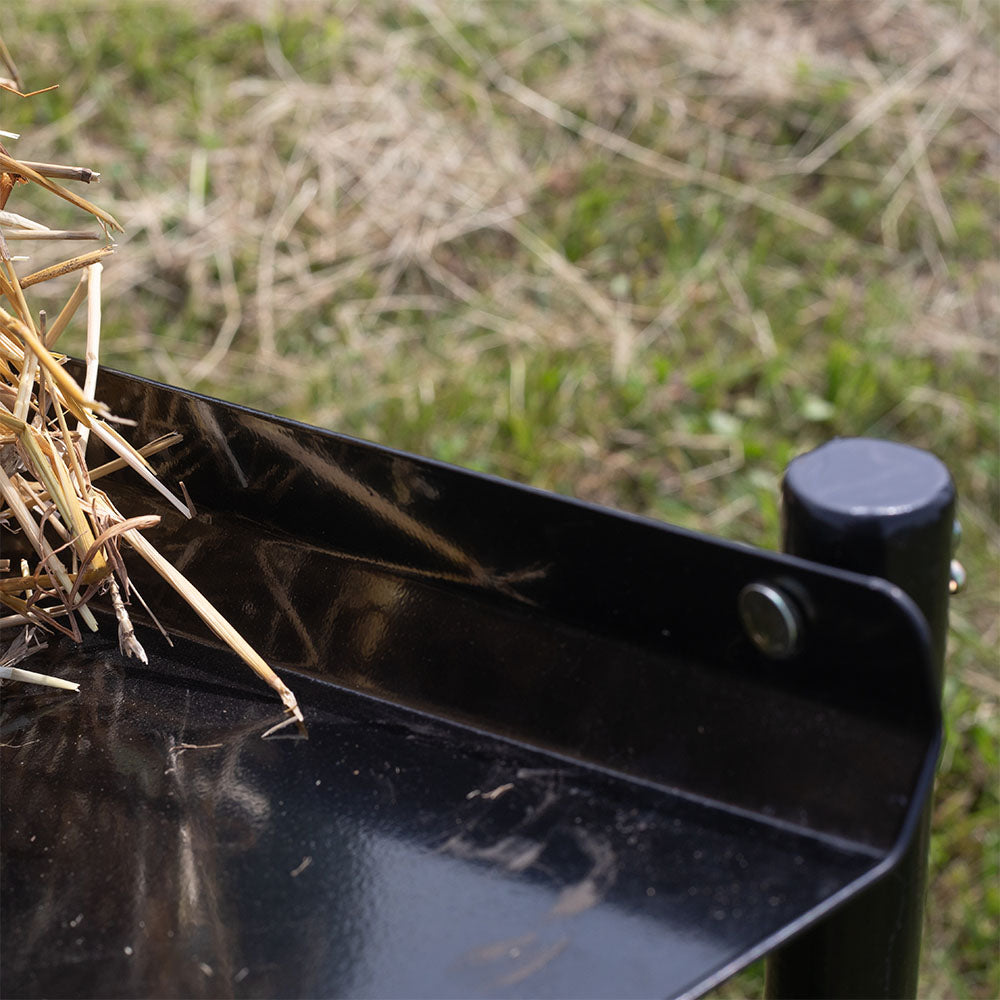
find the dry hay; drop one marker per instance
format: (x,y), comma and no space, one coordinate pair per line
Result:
(386,205)
(334,212)
(333,208)
(48,492)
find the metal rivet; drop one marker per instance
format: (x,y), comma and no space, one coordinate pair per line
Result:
(771,620)
(956,582)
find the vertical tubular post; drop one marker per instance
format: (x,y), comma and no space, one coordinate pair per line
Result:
(887,510)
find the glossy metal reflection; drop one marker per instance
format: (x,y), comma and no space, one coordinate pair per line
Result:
(544,756)
(154,845)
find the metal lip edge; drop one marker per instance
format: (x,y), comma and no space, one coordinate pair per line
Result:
(884,867)
(776,558)
(892,592)
(450,469)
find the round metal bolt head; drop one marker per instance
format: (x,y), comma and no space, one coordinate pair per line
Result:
(771,620)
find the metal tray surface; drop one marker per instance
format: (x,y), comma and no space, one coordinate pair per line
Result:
(154,845)
(543,757)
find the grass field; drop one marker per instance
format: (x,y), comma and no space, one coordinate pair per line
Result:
(640,253)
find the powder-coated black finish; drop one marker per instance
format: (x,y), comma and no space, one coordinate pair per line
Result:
(884,508)
(877,507)
(543,758)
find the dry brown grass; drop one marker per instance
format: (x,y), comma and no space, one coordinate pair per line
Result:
(351,198)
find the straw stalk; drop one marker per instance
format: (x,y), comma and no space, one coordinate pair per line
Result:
(48,499)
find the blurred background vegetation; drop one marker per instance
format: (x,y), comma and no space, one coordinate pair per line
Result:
(640,253)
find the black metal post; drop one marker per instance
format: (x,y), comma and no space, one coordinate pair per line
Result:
(887,510)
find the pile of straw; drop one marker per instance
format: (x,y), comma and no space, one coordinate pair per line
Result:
(47,490)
